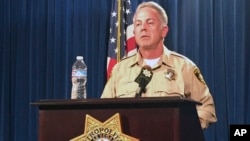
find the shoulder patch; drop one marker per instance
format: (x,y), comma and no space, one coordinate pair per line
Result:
(199,75)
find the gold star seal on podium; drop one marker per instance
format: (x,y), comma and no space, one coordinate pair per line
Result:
(110,130)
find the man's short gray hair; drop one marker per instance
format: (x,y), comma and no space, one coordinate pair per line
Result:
(162,13)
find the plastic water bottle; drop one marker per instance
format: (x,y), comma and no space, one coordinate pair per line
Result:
(79,79)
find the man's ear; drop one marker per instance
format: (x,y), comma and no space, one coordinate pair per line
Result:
(164,31)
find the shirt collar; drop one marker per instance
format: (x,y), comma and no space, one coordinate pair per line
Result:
(165,58)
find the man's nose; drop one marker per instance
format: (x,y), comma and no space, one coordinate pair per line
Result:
(144,27)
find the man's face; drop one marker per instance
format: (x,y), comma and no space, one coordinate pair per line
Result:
(148,29)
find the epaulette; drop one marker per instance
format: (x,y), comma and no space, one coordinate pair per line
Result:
(183,57)
(128,57)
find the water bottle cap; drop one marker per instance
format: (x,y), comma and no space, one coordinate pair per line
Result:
(79,57)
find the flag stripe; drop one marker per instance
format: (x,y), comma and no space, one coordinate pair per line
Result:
(131,44)
(111,63)
(130,31)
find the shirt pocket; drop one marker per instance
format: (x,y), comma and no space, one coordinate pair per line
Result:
(127,90)
(165,87)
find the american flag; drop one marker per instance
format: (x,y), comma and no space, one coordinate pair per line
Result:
(123,45)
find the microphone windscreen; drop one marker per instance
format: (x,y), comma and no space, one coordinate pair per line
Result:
(145,76)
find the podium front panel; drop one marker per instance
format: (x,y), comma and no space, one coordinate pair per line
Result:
(150,119)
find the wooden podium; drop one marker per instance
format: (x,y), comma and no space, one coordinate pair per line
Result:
(147,119)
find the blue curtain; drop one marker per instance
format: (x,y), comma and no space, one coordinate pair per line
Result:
(39,40)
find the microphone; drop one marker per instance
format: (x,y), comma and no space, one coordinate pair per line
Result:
(143,79)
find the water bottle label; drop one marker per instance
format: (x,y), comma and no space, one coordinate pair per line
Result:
(80,73)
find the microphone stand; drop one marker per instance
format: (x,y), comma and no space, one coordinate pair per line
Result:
(139,91)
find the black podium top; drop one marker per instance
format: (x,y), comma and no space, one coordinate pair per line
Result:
(115,102)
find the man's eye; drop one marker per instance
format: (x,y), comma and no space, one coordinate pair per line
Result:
(150,23)
(137,24)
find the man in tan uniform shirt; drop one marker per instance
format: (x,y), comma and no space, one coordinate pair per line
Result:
(173,74)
